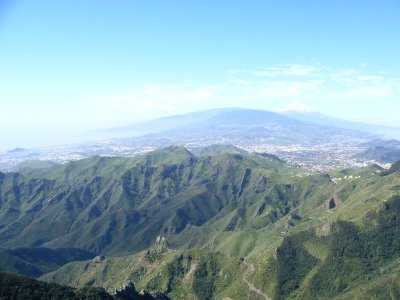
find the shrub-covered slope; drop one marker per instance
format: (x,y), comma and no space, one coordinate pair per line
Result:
(33,262)
(316,250)
(342,260)
(234,225)
(117,205)
(189,274)
(15,287)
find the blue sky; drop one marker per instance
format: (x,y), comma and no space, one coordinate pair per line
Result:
(70,66)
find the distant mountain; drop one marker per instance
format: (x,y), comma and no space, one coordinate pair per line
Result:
(234,126)
(10,159)
(28,166)
(384,151)
(395,168)
(381,154)
(16,152)
(324,120)
(311,140)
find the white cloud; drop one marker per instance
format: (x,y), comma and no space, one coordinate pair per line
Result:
(321,87)
(309,84)
(366,91)
(308,81)
(288,70)
(289,89)
(297,106)
(149,101)
(358,84)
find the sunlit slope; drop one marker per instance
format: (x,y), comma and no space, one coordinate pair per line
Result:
(115,205)
(190,274)
(316,250)
(235,225)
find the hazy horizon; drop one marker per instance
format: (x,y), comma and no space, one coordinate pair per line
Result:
(89,135)
(71,67)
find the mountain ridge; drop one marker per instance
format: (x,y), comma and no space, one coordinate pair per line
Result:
(227,118)
(216,224)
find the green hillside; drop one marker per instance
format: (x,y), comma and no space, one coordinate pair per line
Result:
(329,260)
(33,262)
(221,224)
(338,263)
(15,287)
(117,205)
(190,274)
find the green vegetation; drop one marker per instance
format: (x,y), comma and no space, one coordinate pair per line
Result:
(222,224)
(120,205)
(21,288)
(205,277)
(197,273)
(34,262)
(16,287)
(355,255)
(294,263)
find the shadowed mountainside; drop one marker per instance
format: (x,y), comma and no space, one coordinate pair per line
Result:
(34,262)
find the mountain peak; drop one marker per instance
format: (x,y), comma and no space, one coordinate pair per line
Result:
(171,154)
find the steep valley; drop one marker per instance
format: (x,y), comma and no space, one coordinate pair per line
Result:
(218,224)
